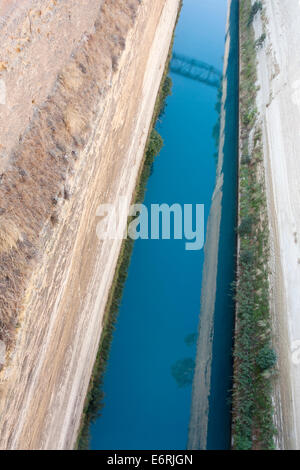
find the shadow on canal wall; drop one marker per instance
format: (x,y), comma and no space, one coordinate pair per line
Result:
(210,422)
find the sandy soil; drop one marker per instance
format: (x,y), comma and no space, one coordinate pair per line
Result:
(43,390)
(279,105)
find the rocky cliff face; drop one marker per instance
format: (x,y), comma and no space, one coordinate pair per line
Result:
(85,85)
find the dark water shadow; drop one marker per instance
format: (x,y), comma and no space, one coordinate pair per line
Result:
(219,421)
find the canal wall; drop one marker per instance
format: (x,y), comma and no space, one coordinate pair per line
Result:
(278,104)
(210,421)
(83,145)
(254,356)
(266,369)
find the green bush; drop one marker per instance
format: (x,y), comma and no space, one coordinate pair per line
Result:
(266,358)
(242,443)
(245,227)
(247,257)
(155,145)
(166,91)
(256,7)
(246,159)
(260,41)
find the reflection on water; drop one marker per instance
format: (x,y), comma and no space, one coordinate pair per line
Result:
(183,371)
(148,380)
(191,339)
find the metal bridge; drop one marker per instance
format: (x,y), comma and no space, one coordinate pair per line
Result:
(195,70)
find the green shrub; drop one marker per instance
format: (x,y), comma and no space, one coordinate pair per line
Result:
(166,91)
(256,7)
(245,227)
(155,145)
(242,443)
(248,117)
(247,257)
(260,41)
(266,358)
(246,159)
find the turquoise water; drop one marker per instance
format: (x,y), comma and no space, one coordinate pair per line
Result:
(145,407)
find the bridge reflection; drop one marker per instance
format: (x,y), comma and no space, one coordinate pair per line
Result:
(195,70)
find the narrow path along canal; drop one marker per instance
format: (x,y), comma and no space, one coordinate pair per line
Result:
(148,382)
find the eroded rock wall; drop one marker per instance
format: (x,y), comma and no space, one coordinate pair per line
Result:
(84,146)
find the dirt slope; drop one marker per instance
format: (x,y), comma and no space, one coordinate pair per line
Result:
(83,147)
(37,38)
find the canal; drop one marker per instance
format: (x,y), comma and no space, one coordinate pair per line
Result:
(148,382)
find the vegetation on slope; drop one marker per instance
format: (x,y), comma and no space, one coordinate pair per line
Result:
(33,187)
(254,357)
(95,396)
(217,127)
(94,401)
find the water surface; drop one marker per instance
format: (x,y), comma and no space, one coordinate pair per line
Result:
(145,408)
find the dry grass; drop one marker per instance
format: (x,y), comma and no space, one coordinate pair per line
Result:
(74,120)
(72,77)
(9,235)
(38,169)
(3,66)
